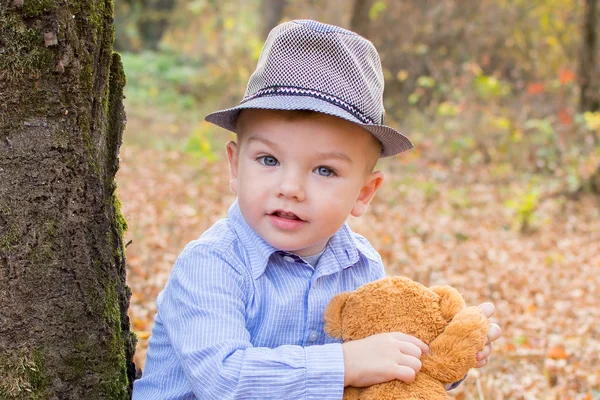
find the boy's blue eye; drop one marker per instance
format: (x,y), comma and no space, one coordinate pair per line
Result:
(268,161)
(324,171)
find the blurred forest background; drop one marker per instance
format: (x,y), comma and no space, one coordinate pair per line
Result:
(499,197)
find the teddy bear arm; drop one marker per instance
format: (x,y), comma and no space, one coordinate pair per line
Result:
(453,352)
(351,393)
(423,388)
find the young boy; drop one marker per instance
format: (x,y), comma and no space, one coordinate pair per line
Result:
(241,316)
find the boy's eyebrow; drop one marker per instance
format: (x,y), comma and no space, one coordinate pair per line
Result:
(335,154)
(262,139)
(326,154)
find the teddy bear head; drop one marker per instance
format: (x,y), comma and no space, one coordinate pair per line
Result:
(392,304)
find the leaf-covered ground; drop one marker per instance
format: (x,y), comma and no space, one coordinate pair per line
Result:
(433,223)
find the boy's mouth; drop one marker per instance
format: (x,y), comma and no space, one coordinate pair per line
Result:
(286,215)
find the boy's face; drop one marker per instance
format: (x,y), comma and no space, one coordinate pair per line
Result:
(297,180)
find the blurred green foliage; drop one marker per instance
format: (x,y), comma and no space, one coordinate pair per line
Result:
(377,8)
(162,80)
(524,208)
(200,144)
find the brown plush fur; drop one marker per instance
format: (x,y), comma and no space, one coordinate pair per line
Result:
(436,315)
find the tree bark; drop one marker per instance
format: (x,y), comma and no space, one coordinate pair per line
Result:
(64,330)
(151,18)
(359,20)
(155,22)
(272,13)
(589,72)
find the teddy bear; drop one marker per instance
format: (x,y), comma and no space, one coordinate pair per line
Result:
(437,315)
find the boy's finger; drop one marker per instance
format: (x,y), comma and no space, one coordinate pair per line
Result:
(405,374)
(487,309)
(485,353)
(411,349)
(482,363)
(407,338)
(494,332)
(410,362)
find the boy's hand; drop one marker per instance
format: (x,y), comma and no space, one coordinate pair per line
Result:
(493,333)
(382,358)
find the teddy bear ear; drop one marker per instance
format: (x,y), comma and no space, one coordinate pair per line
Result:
(333,314)
(451,301)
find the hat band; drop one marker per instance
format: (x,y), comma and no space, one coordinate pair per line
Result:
(296,91)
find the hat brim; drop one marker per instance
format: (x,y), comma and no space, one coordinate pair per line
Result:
(392,141)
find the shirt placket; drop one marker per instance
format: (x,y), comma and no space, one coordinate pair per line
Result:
(313,329)
(314,326)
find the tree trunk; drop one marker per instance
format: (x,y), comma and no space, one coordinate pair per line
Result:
(359,20)
(64,330)
(589,75)
(272,11)
(154,22)
(589,72)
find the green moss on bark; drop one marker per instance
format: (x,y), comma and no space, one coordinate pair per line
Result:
(120,219)
(114,134)
(24,56)
(51,228)
(24,375)
(112,315)
(10,238)
(114,106)
(96,15)
(40,257)
(34,8)
(116,118)
(43,254)
(110,369)
(85,129)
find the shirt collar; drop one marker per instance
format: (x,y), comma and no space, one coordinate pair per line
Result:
(340,253)
(257,249)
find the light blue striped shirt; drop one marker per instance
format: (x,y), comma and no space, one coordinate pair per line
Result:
(239,319)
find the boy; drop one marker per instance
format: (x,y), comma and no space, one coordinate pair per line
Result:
(242,313)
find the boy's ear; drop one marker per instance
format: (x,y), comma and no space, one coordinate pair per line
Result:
(232,156)
(367,192)
(333,314)
(451,301)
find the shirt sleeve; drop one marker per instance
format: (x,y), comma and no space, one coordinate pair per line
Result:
(203,311)
(452,386)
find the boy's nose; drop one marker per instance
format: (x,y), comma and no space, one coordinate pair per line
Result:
(291,186)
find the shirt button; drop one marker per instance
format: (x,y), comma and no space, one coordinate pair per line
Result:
(314,335)
(288,259)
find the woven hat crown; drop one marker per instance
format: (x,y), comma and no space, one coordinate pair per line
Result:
(309,58)
(308,65)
